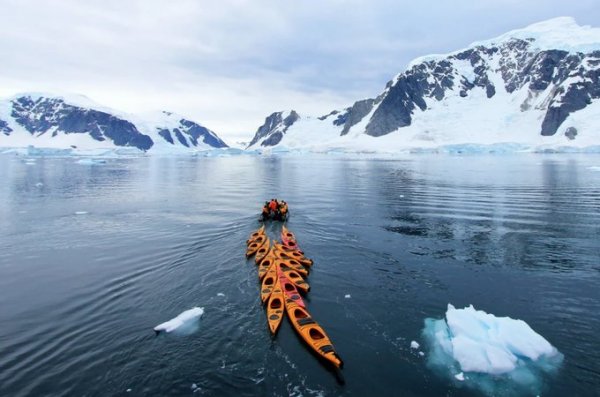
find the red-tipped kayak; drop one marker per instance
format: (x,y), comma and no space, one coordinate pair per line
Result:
(289,289)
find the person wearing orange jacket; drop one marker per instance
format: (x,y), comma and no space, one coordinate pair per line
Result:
(273,206)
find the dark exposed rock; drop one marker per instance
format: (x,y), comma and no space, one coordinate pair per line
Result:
(396,108)
(273,139)
(166,134)
(355,114)
(4,128)
(275,126)
(197,131)
(332,113)
(571,133)
(180,137)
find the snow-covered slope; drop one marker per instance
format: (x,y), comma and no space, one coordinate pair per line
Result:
(536,87)
(50,121)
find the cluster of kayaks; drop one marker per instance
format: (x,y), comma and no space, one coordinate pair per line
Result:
(282,269)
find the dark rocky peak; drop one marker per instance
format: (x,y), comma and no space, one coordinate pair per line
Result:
(4,128)
(274,127)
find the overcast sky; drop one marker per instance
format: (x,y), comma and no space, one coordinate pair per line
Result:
(229,63)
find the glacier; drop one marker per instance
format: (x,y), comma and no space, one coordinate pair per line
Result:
(489,353)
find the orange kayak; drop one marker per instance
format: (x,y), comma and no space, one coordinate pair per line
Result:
(268,283)
(259,232)
(262,251)
(275,308)
(266,264)
(290,244)
(287,253)
(255,245)
(289,289)
(290,262)
(286,234)
(295,265)
(295,278)
(312,333)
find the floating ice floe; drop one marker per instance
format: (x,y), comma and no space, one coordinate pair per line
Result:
(347,296)
(80,212)
(91,161)
(181,320)
(414,345)
(495,352)
(220,294)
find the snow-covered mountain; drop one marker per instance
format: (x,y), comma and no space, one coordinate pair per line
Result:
(537,87)
(49,121)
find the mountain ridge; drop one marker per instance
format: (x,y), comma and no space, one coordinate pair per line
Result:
(522,87)
(63,121)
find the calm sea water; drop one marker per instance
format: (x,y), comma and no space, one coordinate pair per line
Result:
(92,257)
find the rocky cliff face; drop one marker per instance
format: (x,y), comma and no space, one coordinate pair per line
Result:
(41,119)
(572,79)
(275,126)
(541,76)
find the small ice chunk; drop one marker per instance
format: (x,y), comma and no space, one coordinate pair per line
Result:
(421,354)
(414,345)
(194,386)
(186,316)
(39,184)
(460,377)
(80,212)
(91,161)
(347,296)
(128,390)
(220,294)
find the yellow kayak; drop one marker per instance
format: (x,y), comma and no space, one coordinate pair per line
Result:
(259,232)
(290,291)
(265,264)
(312,333)
(295,278)
(292,254)
(286,234)
(268,282)
(275,308)
(255,245)
(262,251)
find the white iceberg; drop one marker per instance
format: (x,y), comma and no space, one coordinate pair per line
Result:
(182,319)
(493,351)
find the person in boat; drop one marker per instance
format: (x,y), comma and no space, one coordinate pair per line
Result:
(283,209)
(273,207)
(265,211)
